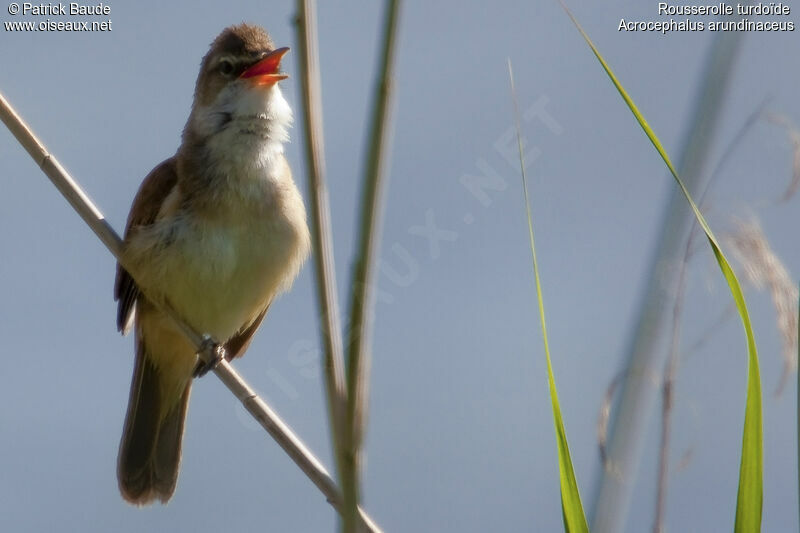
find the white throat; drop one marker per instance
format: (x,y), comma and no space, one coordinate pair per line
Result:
(244,131)
(241,110)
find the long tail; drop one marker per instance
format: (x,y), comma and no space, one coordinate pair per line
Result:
(150,451)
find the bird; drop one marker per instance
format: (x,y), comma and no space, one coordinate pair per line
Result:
(214,234)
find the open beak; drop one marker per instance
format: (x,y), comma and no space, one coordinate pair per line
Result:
(265,72)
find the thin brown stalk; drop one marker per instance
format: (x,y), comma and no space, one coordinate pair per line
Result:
(268,419)
(363,280)
(321,232)
(668,393)
(603,416)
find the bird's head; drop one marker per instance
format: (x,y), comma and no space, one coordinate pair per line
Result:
(237,86)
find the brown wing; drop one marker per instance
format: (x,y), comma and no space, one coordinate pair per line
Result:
(155,187)
(237,344)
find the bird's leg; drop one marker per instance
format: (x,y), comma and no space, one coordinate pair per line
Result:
(211,353)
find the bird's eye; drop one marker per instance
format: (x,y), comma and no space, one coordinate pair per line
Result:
(226,67)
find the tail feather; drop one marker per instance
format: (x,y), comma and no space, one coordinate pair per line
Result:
(150,450)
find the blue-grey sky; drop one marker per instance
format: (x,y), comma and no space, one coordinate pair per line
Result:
(460,435)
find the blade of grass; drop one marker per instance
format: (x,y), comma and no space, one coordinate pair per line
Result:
(363,283)
(750,492)
(571,507)
(647,347)
(671,367)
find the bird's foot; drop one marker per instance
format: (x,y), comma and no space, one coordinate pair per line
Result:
(211,353)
